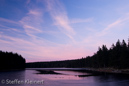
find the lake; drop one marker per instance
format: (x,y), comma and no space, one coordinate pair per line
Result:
(60,77)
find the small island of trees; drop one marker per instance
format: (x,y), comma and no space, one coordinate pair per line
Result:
(11,61)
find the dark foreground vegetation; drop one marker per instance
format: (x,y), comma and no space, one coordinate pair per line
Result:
(11,61)
(115,57)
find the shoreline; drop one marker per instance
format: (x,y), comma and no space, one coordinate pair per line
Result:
(109,70)
(100,70)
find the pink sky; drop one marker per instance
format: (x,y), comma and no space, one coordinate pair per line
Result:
(49,30)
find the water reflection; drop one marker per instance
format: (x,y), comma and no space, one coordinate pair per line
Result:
(112,80)
(11,76)
(66,78)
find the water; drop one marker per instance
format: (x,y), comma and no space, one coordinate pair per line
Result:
(65,77)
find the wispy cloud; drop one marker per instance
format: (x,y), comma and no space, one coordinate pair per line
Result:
(32,22)
(59,15)
(119,22)
(28,1)
(9,26)
(35,42)
(81,20)
(3,20)
(40,50)
(97,38)
(35,49)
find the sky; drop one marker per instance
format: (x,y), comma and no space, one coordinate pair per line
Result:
(53,30)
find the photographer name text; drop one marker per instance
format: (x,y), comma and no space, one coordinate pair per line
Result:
(17,81)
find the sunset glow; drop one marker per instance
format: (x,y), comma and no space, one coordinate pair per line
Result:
(49,30)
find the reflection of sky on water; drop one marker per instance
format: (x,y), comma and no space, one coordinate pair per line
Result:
(66,78)
(12,75)
(71,72)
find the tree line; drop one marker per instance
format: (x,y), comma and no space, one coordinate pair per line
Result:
(10,60)
(117,56)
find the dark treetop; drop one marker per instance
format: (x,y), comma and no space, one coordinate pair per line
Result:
(10,61)
(115,57)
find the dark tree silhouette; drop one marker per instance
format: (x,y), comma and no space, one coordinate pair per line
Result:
(9,60)
(115,57)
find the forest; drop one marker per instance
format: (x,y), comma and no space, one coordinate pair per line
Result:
(10,61)
(117,56)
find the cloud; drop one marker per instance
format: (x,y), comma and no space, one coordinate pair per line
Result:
(30,29)
(99,37)
(3,20)
(36,48)
(40,50)
(15,30)
(81,20)
(9,26)
(35,12)
(59,15)
(28,1)
(119,22)
(3,26)
(32,22)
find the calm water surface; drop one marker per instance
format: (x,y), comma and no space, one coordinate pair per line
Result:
(31,77)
